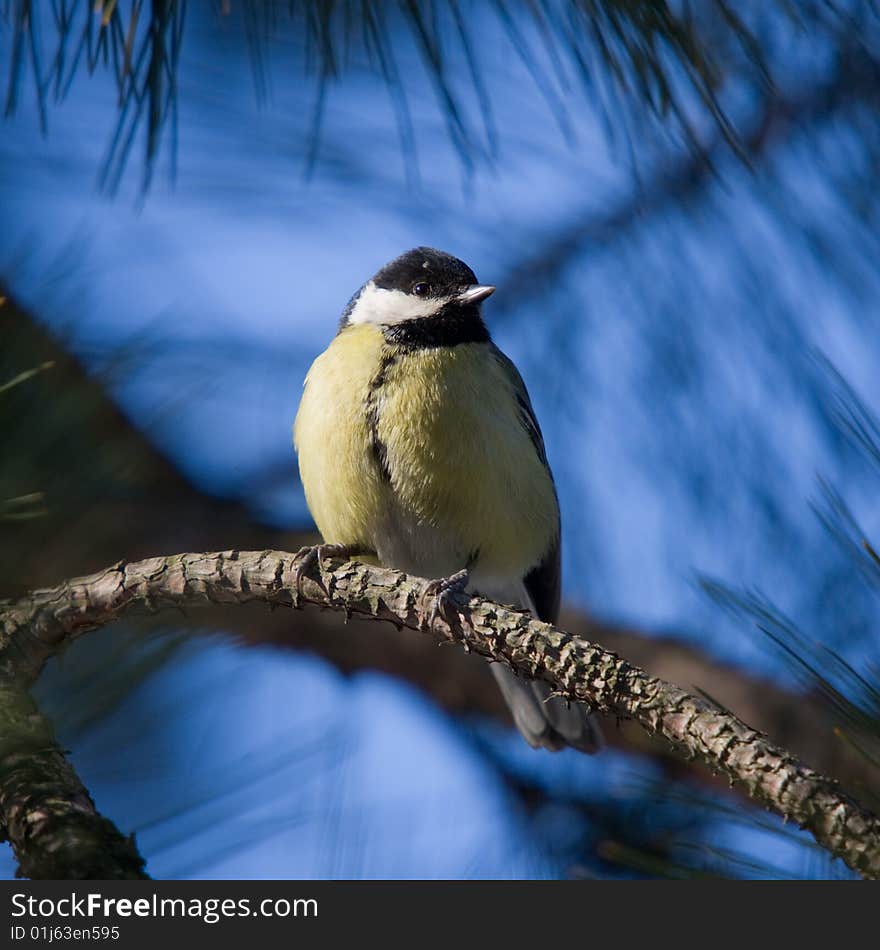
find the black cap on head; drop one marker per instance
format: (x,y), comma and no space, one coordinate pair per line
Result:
(424,298)
(443,274)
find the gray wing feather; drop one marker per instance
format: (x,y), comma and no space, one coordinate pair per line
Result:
(543,583)
(544,721)
(527,414)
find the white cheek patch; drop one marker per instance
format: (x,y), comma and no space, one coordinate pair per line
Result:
(387,307)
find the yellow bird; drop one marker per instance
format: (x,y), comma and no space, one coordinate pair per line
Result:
(418,445)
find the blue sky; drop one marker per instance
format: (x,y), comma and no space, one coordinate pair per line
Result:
(657,386)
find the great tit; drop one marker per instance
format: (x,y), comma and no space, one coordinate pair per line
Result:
(418,444)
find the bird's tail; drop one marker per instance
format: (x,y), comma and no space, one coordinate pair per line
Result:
(545,721)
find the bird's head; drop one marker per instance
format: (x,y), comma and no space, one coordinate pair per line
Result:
(422,291)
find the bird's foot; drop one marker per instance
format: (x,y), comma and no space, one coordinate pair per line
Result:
(311,555)
(442,591)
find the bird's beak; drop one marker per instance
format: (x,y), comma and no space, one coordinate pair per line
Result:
(475,293)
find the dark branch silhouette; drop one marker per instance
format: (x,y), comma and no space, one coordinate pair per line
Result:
(48,816)
(696,728)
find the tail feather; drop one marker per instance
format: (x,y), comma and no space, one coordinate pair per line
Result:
(545,721)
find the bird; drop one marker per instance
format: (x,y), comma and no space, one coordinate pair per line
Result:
(418,447)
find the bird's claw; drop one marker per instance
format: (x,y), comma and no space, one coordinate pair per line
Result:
(442,591)
(307,557)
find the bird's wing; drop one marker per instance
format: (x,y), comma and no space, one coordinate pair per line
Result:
(543,584)
(543,719)
(543,581)
(526,413)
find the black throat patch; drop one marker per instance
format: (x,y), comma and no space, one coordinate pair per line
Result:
(453,325)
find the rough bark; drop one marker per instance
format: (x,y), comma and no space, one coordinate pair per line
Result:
(117,493)
(34,627)
(462,685)
(48,816)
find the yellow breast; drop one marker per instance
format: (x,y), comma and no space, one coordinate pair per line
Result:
(461,460)
(344,487)
(422,456)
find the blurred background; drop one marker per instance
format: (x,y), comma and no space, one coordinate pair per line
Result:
(678,202)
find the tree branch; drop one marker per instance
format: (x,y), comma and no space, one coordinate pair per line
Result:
(117,492)
(34,627)
(800,721)
(49,818)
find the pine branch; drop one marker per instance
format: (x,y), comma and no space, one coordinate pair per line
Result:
(117,492)
(48,816)
(38,625)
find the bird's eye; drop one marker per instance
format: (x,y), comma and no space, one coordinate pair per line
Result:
(421,290)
